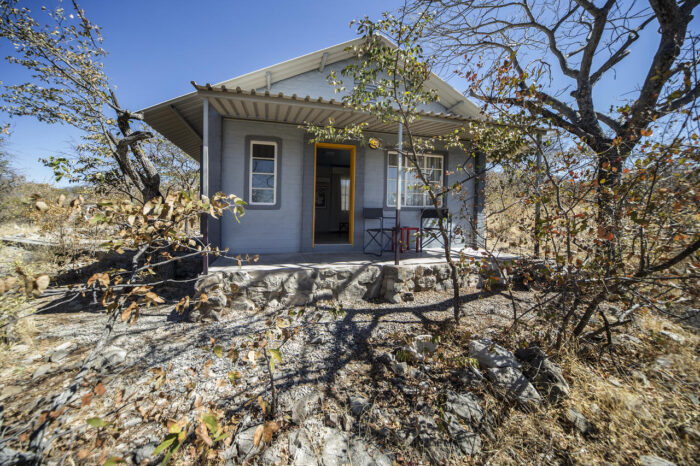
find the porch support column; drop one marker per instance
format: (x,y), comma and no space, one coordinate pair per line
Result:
(204,183)
(397,234)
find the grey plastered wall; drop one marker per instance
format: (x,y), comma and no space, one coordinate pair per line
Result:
(288,226)
(263,230)
(215,160)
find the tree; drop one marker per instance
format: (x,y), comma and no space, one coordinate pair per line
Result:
(8,176)
(390,83)
(576,45)
(69,86)
(93,165)
(543,62)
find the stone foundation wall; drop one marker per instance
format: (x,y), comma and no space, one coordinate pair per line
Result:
(259,289)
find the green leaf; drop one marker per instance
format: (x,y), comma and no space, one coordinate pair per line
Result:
(97,422)
(169,439)
(233,377)
(113,460)
(276,353)
(211,422)
(218,350)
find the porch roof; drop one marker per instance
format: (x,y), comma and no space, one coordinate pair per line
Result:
(180,120)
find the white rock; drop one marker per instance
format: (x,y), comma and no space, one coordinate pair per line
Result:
(62,351)
(491,355)
(514,383)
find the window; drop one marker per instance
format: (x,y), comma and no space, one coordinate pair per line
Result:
(413,192)
(263,173)
(345,194)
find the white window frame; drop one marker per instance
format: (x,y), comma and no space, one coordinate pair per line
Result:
(251,172)
(406,169)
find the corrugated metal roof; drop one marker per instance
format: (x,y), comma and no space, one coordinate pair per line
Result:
(174,118)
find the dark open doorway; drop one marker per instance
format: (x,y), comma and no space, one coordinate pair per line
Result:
(333,196)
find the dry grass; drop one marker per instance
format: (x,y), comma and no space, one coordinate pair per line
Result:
(656,414)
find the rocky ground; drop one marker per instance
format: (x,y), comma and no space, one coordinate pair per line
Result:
(362,384)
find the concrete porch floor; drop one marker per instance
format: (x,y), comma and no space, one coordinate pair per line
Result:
(310,261)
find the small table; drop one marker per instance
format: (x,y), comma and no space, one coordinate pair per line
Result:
(405,238)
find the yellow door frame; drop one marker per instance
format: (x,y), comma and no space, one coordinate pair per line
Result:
(351,214)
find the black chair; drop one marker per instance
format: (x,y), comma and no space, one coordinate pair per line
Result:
(430,229)
(380,236)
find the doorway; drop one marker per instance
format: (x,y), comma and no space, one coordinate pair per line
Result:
(334,194)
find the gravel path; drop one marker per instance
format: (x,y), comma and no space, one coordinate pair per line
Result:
(325,350)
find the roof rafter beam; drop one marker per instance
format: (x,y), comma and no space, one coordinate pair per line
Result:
(324,59)
(189,126)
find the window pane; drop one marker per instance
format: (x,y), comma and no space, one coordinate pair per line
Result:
(391,173)
(434,162)
(263,166)
(392,159)
(266,151)
(435,176)
(345,194)
(414,200)
(263,181)
(263,196)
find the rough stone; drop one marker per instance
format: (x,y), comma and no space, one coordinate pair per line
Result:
(579,421)
(465,406)
(300,450)
(470,377)
(437,449)
(62,351)
(426,283)
(491,355)
(306,406)
(335,448)
(423,344)
(10,390)
(144,453)
(467,440)
(514,383)
(41,371)
(243,446)
(363,454)
(111,356)
(545,374)
(242,304)
(672,336)
(652,460)
(207,282)
(358,405)
(399,368)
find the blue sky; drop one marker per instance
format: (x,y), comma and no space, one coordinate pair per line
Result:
(156,47)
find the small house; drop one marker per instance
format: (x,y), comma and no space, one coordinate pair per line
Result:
(248,135)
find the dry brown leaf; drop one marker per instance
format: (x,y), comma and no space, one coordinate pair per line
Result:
(100,389)
(126,313)
(258,435)
(86,399)
(270,428)
(203,434)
